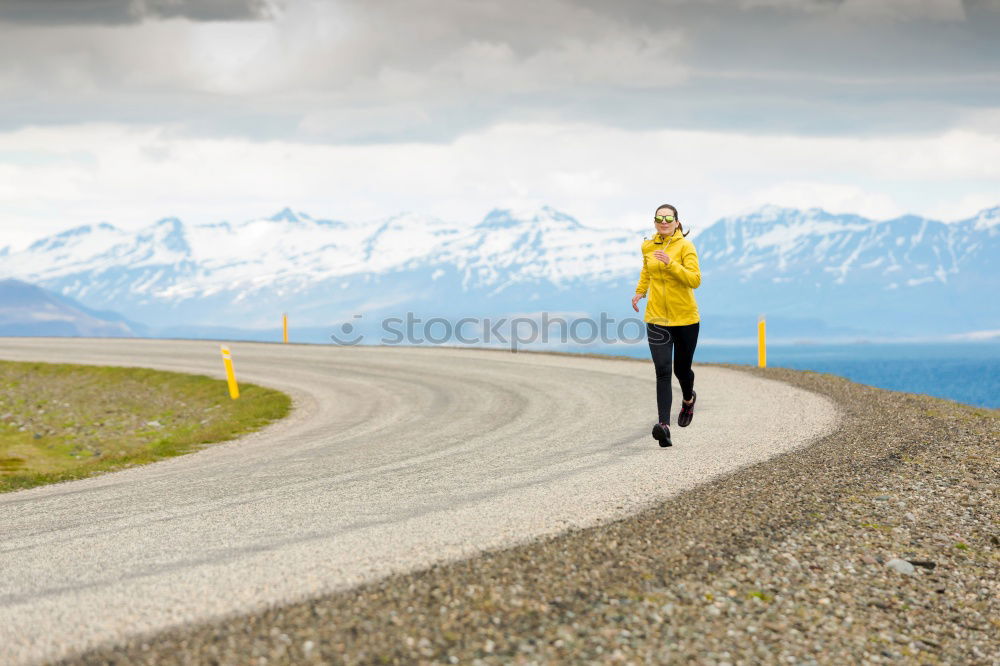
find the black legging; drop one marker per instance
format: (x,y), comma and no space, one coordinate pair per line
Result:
(662,340)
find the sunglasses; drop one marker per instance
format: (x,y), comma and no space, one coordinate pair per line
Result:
(663,219)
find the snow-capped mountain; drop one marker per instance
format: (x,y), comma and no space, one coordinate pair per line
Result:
(243,274)
(905,276)
(844,273)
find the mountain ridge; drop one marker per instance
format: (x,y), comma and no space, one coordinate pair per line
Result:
(27,309)
(880,276)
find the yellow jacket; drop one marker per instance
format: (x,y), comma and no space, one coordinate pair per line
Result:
(671,286)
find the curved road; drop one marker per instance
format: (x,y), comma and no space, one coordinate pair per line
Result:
(393,458)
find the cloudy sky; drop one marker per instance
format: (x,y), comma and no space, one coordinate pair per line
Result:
(127,111)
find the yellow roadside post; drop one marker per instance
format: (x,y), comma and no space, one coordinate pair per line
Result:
(227,360)
(761,344)
(284,326)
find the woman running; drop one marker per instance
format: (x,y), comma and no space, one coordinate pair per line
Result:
(670,272)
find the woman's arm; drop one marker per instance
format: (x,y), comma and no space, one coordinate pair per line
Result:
(686,269)
(643,277)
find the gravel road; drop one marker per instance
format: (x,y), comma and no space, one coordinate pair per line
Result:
(392,460)
(877,544)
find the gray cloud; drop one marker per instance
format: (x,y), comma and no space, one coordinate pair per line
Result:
(355,71)
(113,12)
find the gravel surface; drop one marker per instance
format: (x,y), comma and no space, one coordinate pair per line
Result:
(392,460)
(877,544)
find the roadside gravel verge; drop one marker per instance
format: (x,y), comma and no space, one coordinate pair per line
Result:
(876,544)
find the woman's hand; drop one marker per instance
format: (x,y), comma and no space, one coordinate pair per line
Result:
(635,301)
(662,256)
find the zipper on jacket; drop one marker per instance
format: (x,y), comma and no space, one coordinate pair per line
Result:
(663,266)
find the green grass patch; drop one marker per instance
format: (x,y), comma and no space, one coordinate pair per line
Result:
(63,421)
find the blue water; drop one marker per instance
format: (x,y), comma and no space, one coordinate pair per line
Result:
(967,372)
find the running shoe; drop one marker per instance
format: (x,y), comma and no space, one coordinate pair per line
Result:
(661,433)
(687,411)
